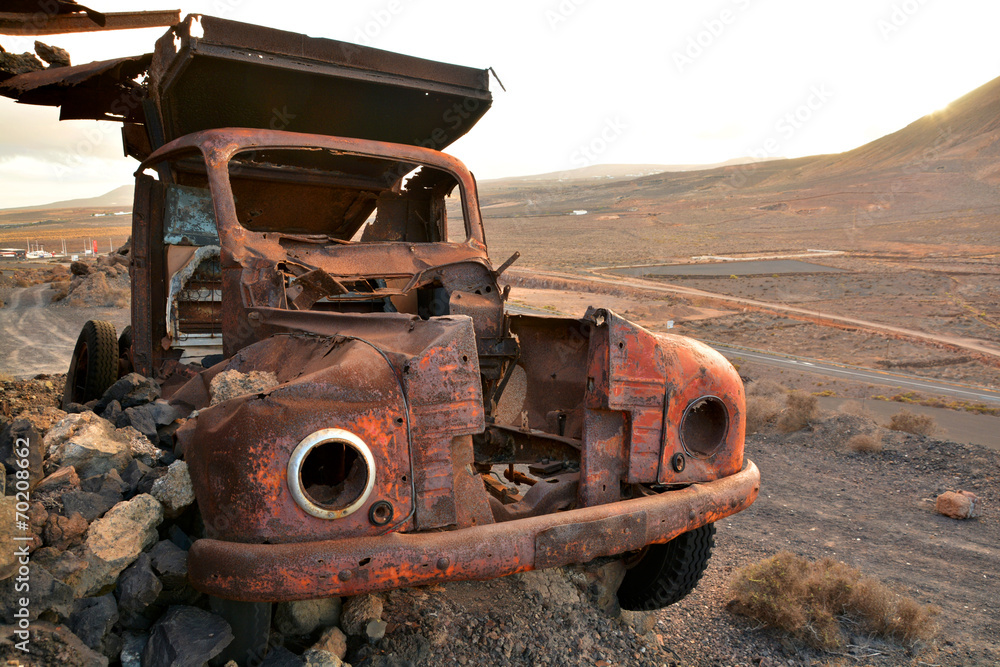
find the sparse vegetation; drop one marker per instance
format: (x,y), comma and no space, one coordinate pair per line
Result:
(910,422)
(800,410)
(810,599)
(856,408)
(914,398)
(764,399)
(866,443)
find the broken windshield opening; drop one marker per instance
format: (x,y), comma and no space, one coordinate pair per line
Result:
(322,196)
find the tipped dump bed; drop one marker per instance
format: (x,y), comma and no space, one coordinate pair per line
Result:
(209,73)
(239,75)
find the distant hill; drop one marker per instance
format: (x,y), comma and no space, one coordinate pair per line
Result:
(119,197)
(610,172)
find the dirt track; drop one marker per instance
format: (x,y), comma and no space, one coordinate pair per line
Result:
(36,337)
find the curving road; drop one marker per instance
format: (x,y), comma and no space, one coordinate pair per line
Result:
(32,339)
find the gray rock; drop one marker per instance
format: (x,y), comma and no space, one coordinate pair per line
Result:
(138,587)
(146,483)
(375,630)
(12,441)
(8,531)
(174,489)
(115,541)
(130,391)
(55,57)
(48,594)
(163,413)
(91,505)
(88,443)
(358,611)
(170,562)
(133,474)
(186,637)
(133,645)
(92,620)
(141,419)
(280,657)
(113,412)
(179,537)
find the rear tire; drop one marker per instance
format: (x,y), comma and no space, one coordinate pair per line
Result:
(94,366)
(125,352)
(666,573)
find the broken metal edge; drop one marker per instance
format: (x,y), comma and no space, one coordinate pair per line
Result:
(283,572)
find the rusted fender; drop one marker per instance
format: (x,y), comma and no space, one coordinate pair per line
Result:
(278,572)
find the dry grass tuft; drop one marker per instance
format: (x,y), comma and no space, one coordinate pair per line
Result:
(765,388)
(865,443)
(761,411)
(808,599)
(856,408)
(800,410)
(61,289)
(907,421)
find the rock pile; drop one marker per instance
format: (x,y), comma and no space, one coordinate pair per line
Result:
(103,283)
(111,517)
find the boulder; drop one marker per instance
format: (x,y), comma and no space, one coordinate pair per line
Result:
(50,645)
(133,474)
(112,413)
(63,532)
(22,437)
(358,611)
(186,636)
(230,384)
(174,489)
(92,620)
(138,587)
(170,563)
(333,640)
(130,391)
(141,419)
(79,268)
(301,617)
(958,505)
(9,530)
(88,443)
(48,594)
(115,541)
(54,56)
(317,658)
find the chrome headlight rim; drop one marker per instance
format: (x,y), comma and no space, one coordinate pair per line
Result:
(302,451)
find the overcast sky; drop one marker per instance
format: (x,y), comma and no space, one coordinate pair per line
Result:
(589,81)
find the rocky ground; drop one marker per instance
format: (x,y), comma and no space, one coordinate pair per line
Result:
(112,515)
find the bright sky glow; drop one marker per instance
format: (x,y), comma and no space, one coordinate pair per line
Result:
(589,81)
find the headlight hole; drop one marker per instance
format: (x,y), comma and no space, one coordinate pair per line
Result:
(704,426)
(334,474)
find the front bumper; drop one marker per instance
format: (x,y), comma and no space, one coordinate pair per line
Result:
(299,571)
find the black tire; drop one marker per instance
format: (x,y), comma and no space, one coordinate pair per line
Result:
(666,573)
(94,366)
(251,624)
(125,351)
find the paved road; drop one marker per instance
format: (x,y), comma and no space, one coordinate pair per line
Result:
(859,374)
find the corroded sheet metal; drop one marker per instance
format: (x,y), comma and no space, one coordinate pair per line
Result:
(263,572)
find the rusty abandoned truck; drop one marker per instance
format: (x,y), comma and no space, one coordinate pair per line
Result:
(294,216)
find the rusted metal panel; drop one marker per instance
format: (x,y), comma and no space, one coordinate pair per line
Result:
(266,572)
(40,22)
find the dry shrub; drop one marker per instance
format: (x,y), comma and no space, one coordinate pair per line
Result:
(865,443)
(800,410)
(765,388)
(61,290)
(761,411)
(807,599)
(907,421)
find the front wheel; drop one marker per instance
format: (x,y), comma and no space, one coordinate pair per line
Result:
(666,573)
(94,366)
